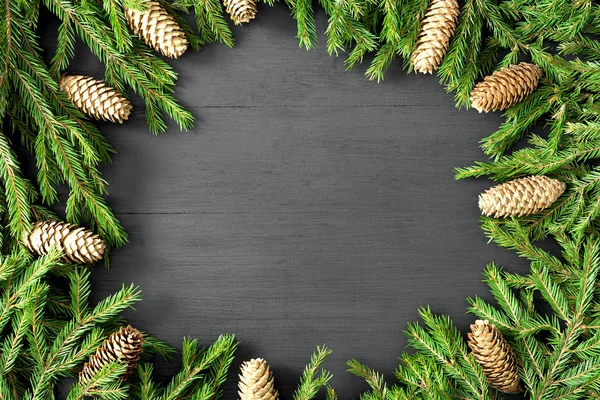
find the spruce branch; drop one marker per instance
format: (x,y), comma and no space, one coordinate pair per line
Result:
(375,380)
(195,361)
(459,68)
(304,14)
(314,378)
(16,190)
(103,384)
(210,20)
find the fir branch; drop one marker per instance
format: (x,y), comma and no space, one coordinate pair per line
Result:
(15,188)
(314,378)
(304,14)
(343,29)
(212,382)
(147,389)
(210,20)
(103,384)
(443,342)
(195,361)
(375,380)
(519,118)
(80,287)
(65,50)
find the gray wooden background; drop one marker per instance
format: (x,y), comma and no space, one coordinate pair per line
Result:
(308,206)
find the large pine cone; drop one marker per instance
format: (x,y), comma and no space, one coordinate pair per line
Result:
(240,10)
(256,381)
(506,87)
(519,197)
(437,28)
(124,346)
(95,98)
(158,29)
(496,357)
(78,244)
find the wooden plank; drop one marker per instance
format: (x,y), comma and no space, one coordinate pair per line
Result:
(303,158)
(287,282)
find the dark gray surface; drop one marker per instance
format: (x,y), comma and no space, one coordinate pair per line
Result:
(309,206)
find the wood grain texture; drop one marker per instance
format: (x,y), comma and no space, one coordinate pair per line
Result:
(309,206)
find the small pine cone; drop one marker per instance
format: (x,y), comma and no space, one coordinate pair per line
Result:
(437,28)
(256,381)
(240,11)
(519,197)
(495,355)
(506,87)
(78,244)
(158,29)
(96,98)
(124,345)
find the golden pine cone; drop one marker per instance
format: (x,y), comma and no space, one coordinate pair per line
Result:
(240,11)
(79,245)
(124,345)
(95,98)
(158,29)
(256,381)
(495,355)
(437,28)
(506,87)
(519,197)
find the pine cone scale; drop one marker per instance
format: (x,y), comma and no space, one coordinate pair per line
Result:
(95,98)
(158,29)
(524,196)
(495,356)
(437,29)
(506,87)
(241,11)
(256,381)
(78,244)
(124,346)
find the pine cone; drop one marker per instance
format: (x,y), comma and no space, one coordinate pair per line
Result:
(256,381)
(506,87)
(240,10)
(437,28)
(95,98)
(519,197)
(497,358)
(124,346)
(78,244)
(158,29)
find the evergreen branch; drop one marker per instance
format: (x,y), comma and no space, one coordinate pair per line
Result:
(551,292)
(80,291)
(154,346)
(217,375)
(374,379)
(343,29)
(13,344)
(105,379)
(147,389)
(304,14)
(194,363)
(519,118)
(15,188)
(459,68)
(312,379)
(116,17)
(17,287)
(209,20)
(439,344)
(65,50)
